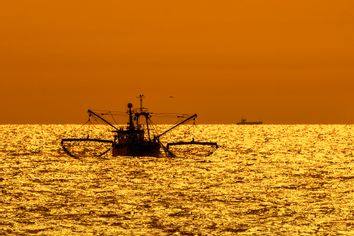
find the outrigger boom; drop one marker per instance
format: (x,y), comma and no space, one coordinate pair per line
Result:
(101,118)
(175,126)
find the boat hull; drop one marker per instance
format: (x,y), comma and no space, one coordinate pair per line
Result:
(136,149)
(250,123)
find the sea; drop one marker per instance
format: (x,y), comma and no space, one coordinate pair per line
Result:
(261,180)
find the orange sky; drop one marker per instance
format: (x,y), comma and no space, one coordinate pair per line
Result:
(272,60)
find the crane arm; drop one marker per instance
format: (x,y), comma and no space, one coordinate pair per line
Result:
(101,118)
(178,124)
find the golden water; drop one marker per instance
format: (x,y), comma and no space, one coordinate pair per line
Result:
(263,180)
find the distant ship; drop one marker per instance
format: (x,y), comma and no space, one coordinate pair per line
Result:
(245,122)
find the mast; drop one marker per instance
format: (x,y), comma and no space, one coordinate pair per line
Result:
(145,114)
(130,112)
(141,102)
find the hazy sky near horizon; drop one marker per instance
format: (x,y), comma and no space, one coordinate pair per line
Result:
(271,60)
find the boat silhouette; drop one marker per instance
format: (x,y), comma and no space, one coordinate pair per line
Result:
(245,122)
(136,139)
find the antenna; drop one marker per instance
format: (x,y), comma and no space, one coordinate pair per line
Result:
(141,96)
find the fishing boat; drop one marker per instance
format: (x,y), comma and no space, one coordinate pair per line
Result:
(245,122)
(137,138)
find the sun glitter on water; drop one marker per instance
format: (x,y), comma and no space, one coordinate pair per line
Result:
(267,179)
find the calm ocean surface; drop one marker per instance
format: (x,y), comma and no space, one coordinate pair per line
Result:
(263,180)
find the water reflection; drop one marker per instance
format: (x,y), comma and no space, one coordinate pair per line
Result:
(262,180)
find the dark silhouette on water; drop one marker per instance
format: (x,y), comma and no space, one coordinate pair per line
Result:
(136,138)
(245,122)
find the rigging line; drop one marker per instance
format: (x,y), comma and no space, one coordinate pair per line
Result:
(80,154)
(108,112)
(114,120)
(98,121)
(171,115)
(103,110)
(88,121)
(153,126)
(75,130)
